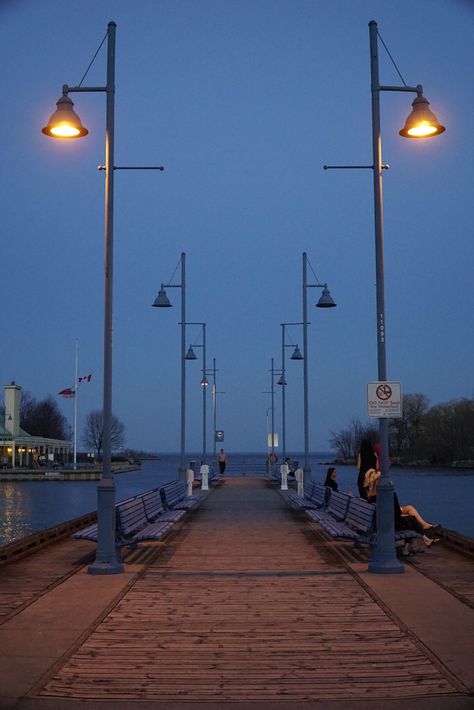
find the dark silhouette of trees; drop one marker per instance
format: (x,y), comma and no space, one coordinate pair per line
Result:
(93,434)
(440,435)
(346,442)
(42,417)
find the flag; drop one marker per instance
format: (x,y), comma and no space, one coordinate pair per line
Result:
(86,378)
(68,392)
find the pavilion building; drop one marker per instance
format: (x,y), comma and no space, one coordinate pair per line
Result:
(18,449)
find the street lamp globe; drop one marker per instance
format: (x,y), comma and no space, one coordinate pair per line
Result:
(325,300)
(422,122)
(162,300)
(65,123)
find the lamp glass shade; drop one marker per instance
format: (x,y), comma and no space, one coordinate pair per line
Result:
(190,355)
(296,354)
(204,381)
(326,300)
(162,300)
(422,122)
(65,123)
(281,381)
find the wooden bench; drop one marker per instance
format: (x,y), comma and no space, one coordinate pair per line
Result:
(358,524)
(154,508)
(134,526)
(353,518)
(335,510)
(315,497)
(174,497)
(139,518)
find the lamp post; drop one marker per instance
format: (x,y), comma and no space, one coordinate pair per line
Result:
(421,123)
(162,301)
(212,371)
(273,372)
(325,301)
(204,382)
(295,356)
(66,124)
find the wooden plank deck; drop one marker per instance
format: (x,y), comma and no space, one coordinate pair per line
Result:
(247,605)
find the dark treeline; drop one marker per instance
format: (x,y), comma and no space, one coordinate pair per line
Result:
(438,435)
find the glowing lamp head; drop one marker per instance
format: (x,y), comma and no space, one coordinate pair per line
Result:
(422,122)
(64,123)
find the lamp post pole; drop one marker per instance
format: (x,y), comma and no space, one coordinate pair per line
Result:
(283,397)
(296,356)
(421,123)
(272,391)
(65,124)
(214,406)
(325,301)
(204,390)
(162,301)
(306,467)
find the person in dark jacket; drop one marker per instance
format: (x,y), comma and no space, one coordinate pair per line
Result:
(330,476)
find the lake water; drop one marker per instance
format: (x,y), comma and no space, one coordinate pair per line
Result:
(441,495)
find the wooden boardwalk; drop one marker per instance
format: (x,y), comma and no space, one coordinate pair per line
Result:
(247,604)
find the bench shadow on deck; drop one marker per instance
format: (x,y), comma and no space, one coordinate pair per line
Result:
(246,603)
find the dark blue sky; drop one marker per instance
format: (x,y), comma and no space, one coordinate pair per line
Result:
(243,102)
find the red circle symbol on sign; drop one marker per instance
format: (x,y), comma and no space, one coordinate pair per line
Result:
(384,391)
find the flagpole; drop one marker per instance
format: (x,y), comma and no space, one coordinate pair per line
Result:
(76,388)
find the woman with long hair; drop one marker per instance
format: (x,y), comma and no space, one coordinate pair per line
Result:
(366,459)
(330,476)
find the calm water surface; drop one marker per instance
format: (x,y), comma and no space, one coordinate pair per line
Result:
(441,495)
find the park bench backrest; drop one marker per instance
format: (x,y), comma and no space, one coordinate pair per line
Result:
(360,515)
(309,488)
(319,494)
(172,493)
(153,504)
(337,506)
(131,514)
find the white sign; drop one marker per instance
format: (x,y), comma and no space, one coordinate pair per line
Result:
(384,399)
(275,440)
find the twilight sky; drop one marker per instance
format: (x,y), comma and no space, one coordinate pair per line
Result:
(243,101)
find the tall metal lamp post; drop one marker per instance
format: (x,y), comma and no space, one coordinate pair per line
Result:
(421,123)
(296,355)
(204,382)
(325,301)
(66,124)
(162,301)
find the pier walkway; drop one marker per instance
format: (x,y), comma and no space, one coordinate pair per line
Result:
(247,606)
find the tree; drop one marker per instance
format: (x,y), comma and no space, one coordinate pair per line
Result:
(93,435)
(42,417)
(406,433)
(449,432)
(346,442)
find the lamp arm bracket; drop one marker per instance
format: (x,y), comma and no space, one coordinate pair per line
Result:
(140,167)
(418,89)
(68,89)
(172,286)
(384,166)
(316,285)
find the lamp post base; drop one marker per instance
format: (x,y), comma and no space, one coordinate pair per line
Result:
(107,559)
(384,557)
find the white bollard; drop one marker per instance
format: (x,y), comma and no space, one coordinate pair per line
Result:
(299,482)
(189,482)
(284,477)
(204,477)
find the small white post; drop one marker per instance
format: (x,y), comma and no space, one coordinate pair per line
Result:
(284,477)
(299,482)
(189,482)
(204,477)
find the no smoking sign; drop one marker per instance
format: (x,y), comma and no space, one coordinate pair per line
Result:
(384,399)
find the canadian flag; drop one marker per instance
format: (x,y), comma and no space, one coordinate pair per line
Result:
(68,392)
(86,378)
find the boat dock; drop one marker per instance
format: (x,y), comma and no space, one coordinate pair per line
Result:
(246,605)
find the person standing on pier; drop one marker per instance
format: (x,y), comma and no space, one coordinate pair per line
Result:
(366,459)
(222,460)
